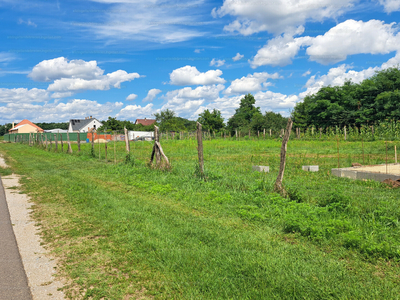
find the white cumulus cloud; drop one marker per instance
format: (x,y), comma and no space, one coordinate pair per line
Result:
(133,112)
(390,5)
(278,16)
(104,82)
(354,37)
(57,68)
(217,62)
(131,97)
(23,95)
(151,95)
(251,83)
(280,50)
(189,75)
(237,57)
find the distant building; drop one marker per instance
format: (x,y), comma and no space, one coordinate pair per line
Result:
(57,130)
(145,122)
(84,125)
(25,126)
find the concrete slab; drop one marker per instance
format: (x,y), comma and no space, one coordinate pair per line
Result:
(375,172)
(310,168)
(261,169)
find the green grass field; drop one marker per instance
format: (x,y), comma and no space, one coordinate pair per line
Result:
(125,229)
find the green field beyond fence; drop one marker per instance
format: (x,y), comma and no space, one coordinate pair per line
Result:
(122,229)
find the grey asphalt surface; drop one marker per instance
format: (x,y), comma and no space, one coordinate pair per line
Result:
(13,280)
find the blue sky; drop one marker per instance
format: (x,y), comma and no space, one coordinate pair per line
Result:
(130,59)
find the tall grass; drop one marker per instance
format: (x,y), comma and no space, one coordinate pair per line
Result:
(126,229)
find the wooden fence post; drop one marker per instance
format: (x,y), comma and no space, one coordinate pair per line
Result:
(157,139)
(200,148)
(320,133)
(62,144)
(98,142)
(56,142)
(345,133)
(278,183)
(105,148)
(115,141)
(264,133)
(338,154)
(69,144)
(127,146)
(92,143)
(270,132)
(79,141)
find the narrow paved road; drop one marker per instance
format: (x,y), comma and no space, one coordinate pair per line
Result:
(13,281)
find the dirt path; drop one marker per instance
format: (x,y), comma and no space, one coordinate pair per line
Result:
(38,265)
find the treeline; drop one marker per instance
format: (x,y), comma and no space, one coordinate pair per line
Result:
(246,118)
(374,100)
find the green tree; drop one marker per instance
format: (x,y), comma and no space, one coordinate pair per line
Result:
(168,121)
(5,128)
(244,114)
(212,121)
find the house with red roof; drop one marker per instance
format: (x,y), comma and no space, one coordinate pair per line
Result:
(145,122)
(25,126)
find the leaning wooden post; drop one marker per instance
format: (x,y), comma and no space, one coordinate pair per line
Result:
(56,142)
(200,148)
(127,140)
(278,183)
(69,144)
(156,149)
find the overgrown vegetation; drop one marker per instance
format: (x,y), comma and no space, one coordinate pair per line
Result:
(126,230)
(370,102)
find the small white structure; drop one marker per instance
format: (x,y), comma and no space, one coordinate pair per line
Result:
(261,169)
(57,130)
(311,168)
(84,125)
(136,134)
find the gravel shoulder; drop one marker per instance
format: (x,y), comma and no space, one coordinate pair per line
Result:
(40,268)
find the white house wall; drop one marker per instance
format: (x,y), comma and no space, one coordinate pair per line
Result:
(135,134)
(91,125)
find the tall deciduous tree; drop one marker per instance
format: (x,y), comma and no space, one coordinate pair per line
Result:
(244,114)
(211,120)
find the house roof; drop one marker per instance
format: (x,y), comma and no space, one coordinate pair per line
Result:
(145,122)
(78,124)
(25,122)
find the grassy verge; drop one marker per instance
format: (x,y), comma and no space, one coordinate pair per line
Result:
(125,230)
